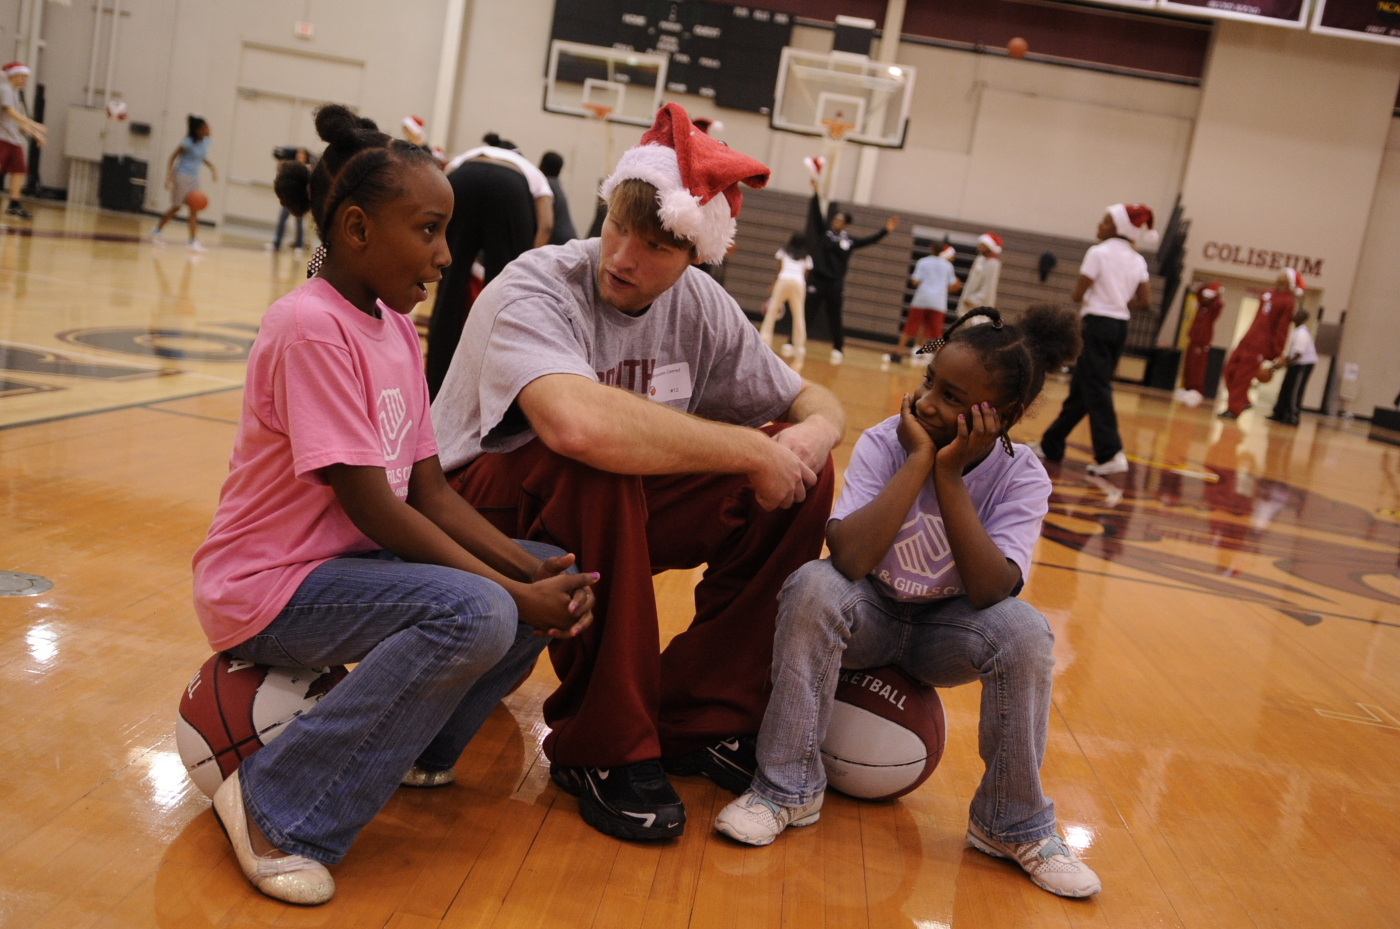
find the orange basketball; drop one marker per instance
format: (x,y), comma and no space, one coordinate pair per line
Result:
(1017,47)
(196,200)
(1266,373)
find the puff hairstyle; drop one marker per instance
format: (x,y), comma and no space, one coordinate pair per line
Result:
(1019,355)
(360,166)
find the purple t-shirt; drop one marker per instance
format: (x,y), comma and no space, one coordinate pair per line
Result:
(1011,494)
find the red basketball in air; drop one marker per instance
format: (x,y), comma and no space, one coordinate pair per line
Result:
(886,735)
(1017,47)
(196,200)
(232,708)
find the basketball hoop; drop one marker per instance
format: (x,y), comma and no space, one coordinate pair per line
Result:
(600,111)
(836,128)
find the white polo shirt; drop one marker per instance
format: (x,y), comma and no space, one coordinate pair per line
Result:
(1300,344)
(1116,269)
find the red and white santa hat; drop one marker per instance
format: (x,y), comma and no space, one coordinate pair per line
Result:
(696,179)
(1295,280)
(1211,291)
(413,124)
(15,67)
(1133,221)
(992,241)
(948,253)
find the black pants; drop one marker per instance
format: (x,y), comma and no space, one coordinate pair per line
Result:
(1091,391)
(494,216)
(823,292)
(1290,394)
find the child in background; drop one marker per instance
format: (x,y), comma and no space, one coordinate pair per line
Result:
(337,539)
(933,279)
(1300,356)
(789,287)
(930,542)
(1210,300)
(182,177)
(981,286)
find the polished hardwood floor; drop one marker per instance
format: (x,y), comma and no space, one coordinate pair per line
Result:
(1224,743)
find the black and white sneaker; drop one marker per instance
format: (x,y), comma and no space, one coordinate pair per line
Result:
(730,763)
(14,209)
(635,801)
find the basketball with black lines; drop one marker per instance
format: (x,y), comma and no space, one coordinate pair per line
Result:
(232,708)
(886,735)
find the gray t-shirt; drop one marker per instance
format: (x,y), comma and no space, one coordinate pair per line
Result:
(9,126)
(693,349)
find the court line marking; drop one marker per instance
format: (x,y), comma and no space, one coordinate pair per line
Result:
(115,409)
(1375,716)
(1280,605)
(213,419)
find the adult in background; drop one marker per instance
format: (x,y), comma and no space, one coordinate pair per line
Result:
(933,279)
(1300,357)
(1113,281)
(831,251)
(1210,300)
(504,207)
(1265,340)
(608,393)
(551,163)
(15,124)
(982,279)
(301,156)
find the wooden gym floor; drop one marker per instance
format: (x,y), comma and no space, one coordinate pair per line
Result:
(1224,743)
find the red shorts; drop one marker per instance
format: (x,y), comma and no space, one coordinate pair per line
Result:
(931,321)
(12,159)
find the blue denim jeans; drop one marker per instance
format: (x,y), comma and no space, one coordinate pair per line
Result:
(826,622)
(282,216)
(437,649)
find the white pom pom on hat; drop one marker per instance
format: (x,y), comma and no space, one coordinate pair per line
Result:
(1295,280)
(1133,221)
(696,179)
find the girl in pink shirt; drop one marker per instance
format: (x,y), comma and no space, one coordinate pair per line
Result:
(338,540)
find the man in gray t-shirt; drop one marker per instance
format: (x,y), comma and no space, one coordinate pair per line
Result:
(15,125)
(610,397)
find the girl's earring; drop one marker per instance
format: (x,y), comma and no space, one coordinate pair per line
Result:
(318,257)
(1006,444)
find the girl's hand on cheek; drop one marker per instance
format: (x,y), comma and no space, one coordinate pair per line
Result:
(978,429)
(912,435)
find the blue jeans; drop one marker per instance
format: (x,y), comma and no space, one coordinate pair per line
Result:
(826,622)
(437,649)
(282,215)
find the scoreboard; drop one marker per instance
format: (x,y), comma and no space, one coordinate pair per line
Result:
(717,50)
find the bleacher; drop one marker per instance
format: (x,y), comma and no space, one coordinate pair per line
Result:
(877,288)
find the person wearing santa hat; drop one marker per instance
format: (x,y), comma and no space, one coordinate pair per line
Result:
(832,246)
(1113,281)
(933,280)
(981,286)
(1264,342)
(607,393)
(15,124)
(1209,302)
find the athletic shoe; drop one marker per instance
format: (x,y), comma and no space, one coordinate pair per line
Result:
(836,356)
(270,247)
(787,350)
(1118,464)
(755,821)
(917,360)
(195,246)
(421,777)
(893,358)
(18,211)
(293,879)
(1228,415)
(634,801)
(1051,864)
(730,763)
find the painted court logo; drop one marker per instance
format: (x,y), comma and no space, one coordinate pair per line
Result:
(925,552)
(393,421)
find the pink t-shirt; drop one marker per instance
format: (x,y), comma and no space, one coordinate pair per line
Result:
(327,384)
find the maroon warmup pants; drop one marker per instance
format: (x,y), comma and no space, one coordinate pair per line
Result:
(1193,375)
(623,700)
(1240,371)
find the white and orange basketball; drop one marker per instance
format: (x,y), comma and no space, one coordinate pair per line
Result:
(232,708)
(886,735)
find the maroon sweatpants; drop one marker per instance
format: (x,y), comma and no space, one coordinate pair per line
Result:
(1240,371)
(621,699)
(1193,375)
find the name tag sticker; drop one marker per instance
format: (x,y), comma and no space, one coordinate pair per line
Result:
(671,384)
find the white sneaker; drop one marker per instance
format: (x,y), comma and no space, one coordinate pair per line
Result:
(787,350)
(917,360)
(836,356)
(755,821)
(1039,452)
(195,246)
(269,247)
(1050,863)
(891,358)
(1115,465)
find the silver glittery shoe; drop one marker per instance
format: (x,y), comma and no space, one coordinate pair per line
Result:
(293,879)
(418,777)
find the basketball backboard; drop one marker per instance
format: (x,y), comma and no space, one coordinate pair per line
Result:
(842,96)
(604,83)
